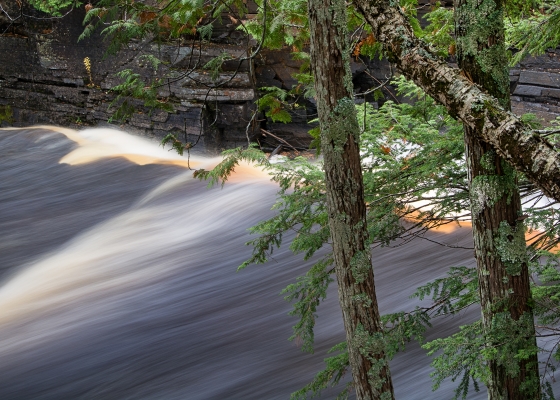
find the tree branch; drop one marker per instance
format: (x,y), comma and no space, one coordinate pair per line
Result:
(527,151)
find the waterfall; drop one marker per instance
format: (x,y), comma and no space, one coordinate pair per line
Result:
(118,279)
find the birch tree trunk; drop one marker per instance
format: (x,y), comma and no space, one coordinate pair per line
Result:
(499,234)
(345,199)
(525,150)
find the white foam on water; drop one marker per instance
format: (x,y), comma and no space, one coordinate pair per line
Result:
(98,143)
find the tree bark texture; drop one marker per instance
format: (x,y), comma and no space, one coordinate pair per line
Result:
(345,199)
(514,141)
(499,234)
(502,274)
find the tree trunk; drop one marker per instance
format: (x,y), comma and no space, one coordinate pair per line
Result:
(525,150)
(504,289)
(499,234)
(345,199)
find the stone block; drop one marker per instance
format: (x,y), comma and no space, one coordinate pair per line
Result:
(203,94)
(290,62)
(547,112)
(265,73)
(539,79)
(284,74)
(233,114)
(188,106)
(159,116)
(100,115)
(524,90)
(239,80)
(275,57)
(75,82)
(141,121)
(180,123)
(357,67)
(554,93)
(269,79)
(235,65)
(178,54)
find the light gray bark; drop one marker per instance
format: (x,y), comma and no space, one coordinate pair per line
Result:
(505,294)
(514,141)
(345,199)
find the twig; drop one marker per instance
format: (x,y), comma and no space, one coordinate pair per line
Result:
(279,139)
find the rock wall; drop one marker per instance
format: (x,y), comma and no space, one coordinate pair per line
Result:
(43,80)
(535,86)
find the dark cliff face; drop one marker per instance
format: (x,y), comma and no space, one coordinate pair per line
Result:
(43,80)
(42,76)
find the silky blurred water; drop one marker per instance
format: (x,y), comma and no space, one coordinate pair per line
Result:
(118,280)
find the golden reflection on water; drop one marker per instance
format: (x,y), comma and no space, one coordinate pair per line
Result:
(100,143)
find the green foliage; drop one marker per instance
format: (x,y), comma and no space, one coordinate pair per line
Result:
(413,167)
(286,24)
(300,206)
(403,327)
(215,64)
(176,144)
(205,31)
(6,114)
(532,33)
(423,139)
(305,84)
(54,7)
(152,60)
(531,120)
(450,295)
(307,293)
(459,356)
(466,354)
(411,153)
(122,20)
(315,133)
(273,103)
(440,30)
(546,306)
(335,369)
(278,104)
(231,159)
(409,8)
(510,342)
(457,291)
(521,8)
(134,87)
(546,296)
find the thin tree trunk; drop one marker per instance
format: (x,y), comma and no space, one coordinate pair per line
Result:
(345,199)
(525,150)
(499,234)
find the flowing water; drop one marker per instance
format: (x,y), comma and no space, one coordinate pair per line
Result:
(118,279)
